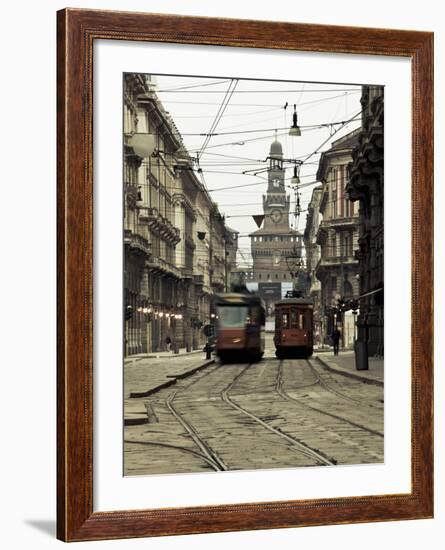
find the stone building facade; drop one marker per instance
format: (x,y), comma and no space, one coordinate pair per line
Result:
(312,249)
(172,243)
(366,189)
(337,235)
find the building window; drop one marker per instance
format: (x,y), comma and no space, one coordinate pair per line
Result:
(334,193)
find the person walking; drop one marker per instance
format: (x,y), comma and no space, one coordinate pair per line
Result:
(168,343)
(336,340)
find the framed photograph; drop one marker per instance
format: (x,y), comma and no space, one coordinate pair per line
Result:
(236,199)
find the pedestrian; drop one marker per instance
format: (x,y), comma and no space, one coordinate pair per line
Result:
(336,340)
(168,343)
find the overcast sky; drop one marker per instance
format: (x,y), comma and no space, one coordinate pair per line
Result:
(247,127)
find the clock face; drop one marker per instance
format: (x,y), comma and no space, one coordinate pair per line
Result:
(276,216)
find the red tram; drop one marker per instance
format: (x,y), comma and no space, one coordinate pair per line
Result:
(294,326)
(240,327)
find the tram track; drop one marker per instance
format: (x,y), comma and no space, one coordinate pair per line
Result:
(285,395)
(252,416)
(215,397)
(179,448)
(302,447)
(330,389)
(210,455)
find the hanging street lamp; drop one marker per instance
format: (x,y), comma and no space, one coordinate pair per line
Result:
(295,129)
(295,180)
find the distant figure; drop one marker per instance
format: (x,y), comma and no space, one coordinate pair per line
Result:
(336,340)
(168,343)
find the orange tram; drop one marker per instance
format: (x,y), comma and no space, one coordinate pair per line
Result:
(240,327)
(294,326)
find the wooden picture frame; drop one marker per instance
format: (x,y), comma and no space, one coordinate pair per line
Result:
(77,31)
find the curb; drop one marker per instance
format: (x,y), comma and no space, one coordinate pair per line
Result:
(340,370)
(190,372)
(140,357)
(136,421)
(173,379)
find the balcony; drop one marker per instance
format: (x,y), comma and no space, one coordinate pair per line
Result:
(162,267)
(148,215)
(338,222)
(218,282)
(198,280)
(187,272)
(136,243)
(329,263)
(156,222)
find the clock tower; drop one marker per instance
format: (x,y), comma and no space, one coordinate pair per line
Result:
(271,244)
(276,201)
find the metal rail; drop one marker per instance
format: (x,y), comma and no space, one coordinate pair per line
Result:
(176,448)
(281,391)
(302,447)
(212,457)
(343,396)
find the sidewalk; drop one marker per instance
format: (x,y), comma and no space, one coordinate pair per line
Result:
(160,354)
(344,363)
(147,374)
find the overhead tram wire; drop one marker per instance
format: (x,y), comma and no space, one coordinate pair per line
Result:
(228,95)
(229,156)
(332,135)
(244,114)
(259,91)
(196,86)
(278,107)
(212,133)
(316,151)
(281,134)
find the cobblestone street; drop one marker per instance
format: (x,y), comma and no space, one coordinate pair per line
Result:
(199,415)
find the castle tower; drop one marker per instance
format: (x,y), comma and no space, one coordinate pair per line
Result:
(275,240)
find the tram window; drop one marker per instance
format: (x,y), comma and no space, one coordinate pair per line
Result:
(232,316)
(301,323)
(293,319)
(285,320)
